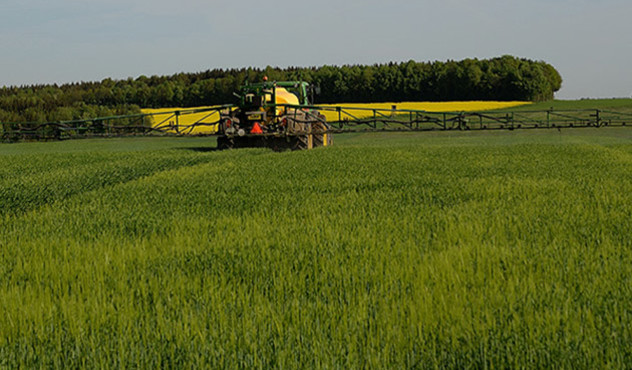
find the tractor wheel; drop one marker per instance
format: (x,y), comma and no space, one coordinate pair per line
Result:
(300,142)
(224,143)
(318,140)
(321,135)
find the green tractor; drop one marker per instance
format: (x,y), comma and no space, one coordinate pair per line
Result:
(274,115)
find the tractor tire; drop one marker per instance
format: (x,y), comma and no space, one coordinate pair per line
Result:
(300,142)
(224,143)
(318,140)
(321,134)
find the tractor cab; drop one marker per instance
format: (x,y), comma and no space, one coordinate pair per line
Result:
(261,104)
(275,93)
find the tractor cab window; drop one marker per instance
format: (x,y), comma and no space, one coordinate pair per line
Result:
(252,99)
(268,96)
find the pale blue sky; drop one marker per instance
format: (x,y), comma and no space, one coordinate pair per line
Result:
(589,42)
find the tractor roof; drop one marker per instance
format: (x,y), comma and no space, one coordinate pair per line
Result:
(270,84)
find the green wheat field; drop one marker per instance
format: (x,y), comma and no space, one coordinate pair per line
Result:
(411,250)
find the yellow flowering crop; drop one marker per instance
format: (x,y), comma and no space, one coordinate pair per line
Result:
(165,118)
(364,110)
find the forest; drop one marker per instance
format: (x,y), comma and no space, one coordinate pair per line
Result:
(503,78)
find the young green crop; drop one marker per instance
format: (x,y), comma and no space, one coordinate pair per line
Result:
(412,250)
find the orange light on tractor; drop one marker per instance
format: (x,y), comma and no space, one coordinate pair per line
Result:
(256,129)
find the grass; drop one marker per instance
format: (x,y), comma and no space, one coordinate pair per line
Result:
(441,249)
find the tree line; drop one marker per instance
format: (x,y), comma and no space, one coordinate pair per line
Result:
(502,78)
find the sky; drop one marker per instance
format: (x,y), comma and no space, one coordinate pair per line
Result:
(62,41)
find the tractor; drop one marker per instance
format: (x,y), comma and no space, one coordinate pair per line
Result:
(274,115)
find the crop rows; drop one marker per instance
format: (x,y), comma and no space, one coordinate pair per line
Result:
(389,251)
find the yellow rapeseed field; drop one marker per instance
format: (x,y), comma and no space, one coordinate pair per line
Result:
(165,117)
(363,110)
